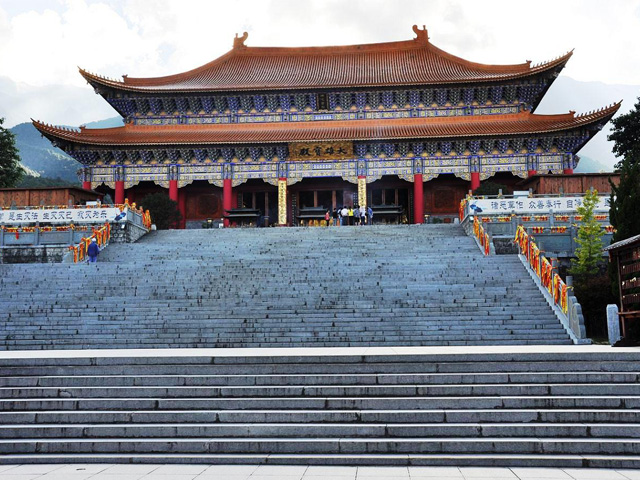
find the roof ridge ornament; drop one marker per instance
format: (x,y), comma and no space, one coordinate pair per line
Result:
(238,42)
(421,35)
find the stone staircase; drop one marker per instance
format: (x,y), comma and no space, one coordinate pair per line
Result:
(513,406)
(292,287)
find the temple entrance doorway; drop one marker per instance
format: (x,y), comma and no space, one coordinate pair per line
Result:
(319,198)
(312,197)
(391,200)
(260,196)
(442,197)
(136,193)
(199,201)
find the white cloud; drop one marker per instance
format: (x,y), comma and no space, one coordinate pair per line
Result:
(42,43)
(143,38)
(57,104)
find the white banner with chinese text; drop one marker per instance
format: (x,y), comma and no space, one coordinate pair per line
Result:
(525,205)
(61,215)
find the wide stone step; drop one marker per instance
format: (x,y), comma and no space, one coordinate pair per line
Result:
(484,460)
(454,445)
(491,415)
(312,365)
(318,430)
(592,377)
(337,403)
(324,391)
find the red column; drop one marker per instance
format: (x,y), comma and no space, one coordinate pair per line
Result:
(119,192)
(531,173)
(418,199)
(227,196)
(86,185)
(568,171)
(475,180)
(173,190)
(182,203)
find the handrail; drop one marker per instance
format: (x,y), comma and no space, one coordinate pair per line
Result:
(542,268)
(482,236)
(55,228)
(102,236)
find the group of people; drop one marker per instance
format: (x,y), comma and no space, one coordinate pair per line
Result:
(356,215)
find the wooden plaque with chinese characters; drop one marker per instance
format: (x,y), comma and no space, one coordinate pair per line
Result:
(321,151)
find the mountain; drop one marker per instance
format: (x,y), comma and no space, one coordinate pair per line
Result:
(589,165)
(38,154)
(568,94)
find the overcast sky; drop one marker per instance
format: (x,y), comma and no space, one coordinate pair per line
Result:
(42,42)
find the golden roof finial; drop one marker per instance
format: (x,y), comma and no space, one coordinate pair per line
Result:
(239,41)
(421,34)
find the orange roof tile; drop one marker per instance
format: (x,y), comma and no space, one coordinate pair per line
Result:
(523,123)
(411,62)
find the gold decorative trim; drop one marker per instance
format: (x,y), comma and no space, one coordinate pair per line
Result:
(463,175)
(237,181)
(486,175)
(362,191)
(130,183)
(350,178)
(185,182)
(407,177)
(217,183)
(271,181)
(429,176)
(292,181)
(282,202)
(373,178)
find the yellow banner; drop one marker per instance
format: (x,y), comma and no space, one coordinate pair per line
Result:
(321,151)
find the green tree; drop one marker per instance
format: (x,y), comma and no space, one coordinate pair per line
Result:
(624,210)
(626,136)
(10,168)
(164,211)
(624,213)
(589,252)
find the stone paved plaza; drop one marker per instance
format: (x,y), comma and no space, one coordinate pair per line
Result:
(301,472)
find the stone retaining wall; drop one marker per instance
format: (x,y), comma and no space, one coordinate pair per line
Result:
(31,254)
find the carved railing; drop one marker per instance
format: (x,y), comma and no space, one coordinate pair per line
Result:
(559,292)
(102,236)
(484,241)
(543,268)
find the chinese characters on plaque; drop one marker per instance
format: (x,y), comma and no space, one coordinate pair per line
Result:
(321,151)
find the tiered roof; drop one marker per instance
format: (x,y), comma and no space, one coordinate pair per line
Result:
(523,123)
(411,62)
